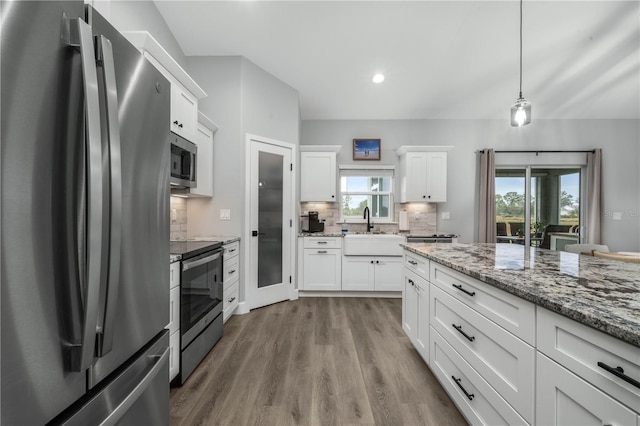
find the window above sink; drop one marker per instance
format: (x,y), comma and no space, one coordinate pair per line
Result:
(360,188)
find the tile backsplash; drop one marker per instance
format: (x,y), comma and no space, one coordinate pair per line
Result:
(421,218)
(178,218)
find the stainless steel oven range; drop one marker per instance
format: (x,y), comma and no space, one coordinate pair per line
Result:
(201,296)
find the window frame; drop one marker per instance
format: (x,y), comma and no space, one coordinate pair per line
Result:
(369,172)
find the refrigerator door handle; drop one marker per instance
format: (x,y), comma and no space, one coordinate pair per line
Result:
(82,354)
(116,415)
(105,57)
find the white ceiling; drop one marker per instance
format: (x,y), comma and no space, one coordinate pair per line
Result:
(441,59)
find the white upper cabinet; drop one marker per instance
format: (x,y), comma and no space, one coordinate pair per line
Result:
(185,92)
(423,174)
(318,173)
(204,166)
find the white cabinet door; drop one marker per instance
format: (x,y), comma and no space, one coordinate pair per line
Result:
(410,306)
(318,176)
(204,165)
(388,273)
(565,399)
(322,269)
(358,273)
(436,167)
(174,310)
(174,355)
(184,112)
(413,179)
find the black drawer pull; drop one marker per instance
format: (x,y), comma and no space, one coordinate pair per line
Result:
(322,242)
(322,251)
(231,300)
(411,282)
(459,328)
(413,262)
(459,287)
(469,395)
(232,250)
(619,372)
(233,271)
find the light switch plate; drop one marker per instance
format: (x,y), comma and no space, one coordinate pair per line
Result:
(225,214)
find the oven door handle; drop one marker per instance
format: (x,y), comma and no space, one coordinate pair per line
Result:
(188,265)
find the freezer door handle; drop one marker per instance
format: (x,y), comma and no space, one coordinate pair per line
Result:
(105,58)
(118,413)
(82,353)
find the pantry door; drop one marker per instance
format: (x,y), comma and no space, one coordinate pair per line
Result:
(271,222)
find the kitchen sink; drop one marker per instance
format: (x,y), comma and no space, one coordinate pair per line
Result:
(373,244)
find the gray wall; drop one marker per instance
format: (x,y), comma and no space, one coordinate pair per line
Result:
(619,140)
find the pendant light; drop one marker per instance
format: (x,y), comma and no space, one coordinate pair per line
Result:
(521,110)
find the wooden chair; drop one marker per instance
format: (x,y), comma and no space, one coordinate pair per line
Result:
(501,228)
(616,256)
(586,248)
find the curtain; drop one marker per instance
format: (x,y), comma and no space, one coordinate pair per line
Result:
(594,197)
(487,207)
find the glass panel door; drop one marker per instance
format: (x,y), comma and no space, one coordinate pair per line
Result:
(510,205)
(270,191)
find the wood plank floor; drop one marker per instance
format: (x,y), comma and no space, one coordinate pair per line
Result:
(314,361)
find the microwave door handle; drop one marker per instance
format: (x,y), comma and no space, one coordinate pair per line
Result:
(192,177)
(82,353)
(105,56)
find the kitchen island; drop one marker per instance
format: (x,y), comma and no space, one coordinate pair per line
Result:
(550,338)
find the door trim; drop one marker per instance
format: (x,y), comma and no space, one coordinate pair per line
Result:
(248,302)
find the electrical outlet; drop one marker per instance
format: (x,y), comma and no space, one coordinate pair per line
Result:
(225,214)
(617,215)
(416,215)
(446,215)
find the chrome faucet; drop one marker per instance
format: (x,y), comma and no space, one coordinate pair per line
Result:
(367,215)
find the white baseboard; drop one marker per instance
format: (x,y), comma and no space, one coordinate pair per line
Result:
(381,294)
(243,308)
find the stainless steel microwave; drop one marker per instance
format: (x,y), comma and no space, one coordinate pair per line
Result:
(184,158)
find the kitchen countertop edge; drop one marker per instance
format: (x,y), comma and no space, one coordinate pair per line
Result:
(598,316)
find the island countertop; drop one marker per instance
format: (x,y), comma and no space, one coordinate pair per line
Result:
(600,293)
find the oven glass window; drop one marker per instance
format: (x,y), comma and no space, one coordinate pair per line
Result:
(201,291)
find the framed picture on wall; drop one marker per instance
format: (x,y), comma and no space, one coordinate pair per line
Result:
(366,149)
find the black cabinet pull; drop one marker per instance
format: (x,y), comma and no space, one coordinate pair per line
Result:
(322,242)
(411,282)
(429,196)
(175,122)
(459,287)
(459,328)
(458,382)
(231,300)
(377,262)
(424,196)
(233,271)
(619,372)
(322,252)
(180,125)
(414,263)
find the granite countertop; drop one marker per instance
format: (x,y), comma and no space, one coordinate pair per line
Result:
(225,239)
(601,293)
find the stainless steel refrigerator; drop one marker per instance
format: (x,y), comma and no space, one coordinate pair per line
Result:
(84,216)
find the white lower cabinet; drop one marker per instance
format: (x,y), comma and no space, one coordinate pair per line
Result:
(565,399)
(504,360)
(322,269)
(230,279)
(174,355)
(476,399)
(415,312)
(372,273)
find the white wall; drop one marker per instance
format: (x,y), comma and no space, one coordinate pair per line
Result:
(619,139)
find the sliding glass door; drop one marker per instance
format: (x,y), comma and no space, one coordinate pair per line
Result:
(554,202)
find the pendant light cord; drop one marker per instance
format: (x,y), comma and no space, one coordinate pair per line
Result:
(520,48)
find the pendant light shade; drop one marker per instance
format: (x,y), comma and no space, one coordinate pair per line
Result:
(521,110)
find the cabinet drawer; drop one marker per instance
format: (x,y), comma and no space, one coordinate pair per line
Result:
(580,348)
(322,242)
(563,398)
(482,405)
(230,301)
(416,263)
(503,360)
(511,312)
(231,250)
(174,274)
(174,310)
(231,269)
(174,355)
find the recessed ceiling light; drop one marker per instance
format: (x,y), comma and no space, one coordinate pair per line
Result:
(378,78)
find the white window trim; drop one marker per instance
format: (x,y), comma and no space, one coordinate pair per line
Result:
(376,170)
